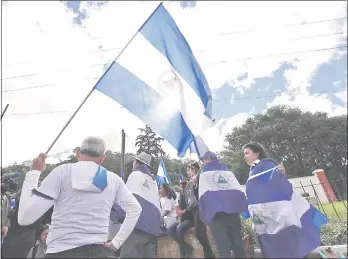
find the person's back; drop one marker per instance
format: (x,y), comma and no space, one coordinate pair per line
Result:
(220,202)
(86,212)
(83,194)
(141,243)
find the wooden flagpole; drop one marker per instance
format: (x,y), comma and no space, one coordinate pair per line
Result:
(89,94)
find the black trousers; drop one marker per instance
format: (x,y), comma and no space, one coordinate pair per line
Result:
(227,234)
(201,235)
(86,251)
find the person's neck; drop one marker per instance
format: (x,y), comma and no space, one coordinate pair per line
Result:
(88,159)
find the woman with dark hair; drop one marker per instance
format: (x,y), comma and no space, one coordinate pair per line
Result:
(39,250)
(286,224)
(167,202)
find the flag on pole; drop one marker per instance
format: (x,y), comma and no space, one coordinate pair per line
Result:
(287,225)
(198,146)
(158,79)
(181,177)
(162,176)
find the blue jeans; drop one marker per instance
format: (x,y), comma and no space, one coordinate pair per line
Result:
(177,232)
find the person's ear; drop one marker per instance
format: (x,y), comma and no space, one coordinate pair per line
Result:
(101,159)
(78,153)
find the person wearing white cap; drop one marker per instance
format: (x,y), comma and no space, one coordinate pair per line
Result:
(142,241)
(82,194)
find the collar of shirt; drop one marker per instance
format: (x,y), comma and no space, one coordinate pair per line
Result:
(254,164)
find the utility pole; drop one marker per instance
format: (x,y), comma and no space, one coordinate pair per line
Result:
(3,113)
(123,149)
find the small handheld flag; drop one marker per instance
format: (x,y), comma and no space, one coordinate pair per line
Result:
(162,176)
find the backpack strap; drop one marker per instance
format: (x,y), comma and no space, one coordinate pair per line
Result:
(35,250)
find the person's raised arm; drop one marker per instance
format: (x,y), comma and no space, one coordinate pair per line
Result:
(131,206)
(34,201)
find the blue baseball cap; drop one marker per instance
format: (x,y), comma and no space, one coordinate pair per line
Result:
(209,155)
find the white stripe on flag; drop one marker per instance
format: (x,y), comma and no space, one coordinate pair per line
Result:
(144,186)
(148,64)
(278,215)
(209,181)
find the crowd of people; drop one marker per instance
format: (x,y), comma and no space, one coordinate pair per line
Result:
(82,198)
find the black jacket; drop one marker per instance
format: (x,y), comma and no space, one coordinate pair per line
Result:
(187,215)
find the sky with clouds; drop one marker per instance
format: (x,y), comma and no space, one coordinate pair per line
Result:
(254,54)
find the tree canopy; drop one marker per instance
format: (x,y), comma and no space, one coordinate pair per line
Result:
(305,141)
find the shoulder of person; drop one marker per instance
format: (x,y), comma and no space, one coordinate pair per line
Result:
(268,161)
(63,168)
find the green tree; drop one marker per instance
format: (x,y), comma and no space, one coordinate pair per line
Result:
(306,142)
(148,141)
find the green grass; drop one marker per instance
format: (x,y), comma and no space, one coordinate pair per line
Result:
(329,210)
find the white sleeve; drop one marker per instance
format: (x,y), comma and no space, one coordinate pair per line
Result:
(132,208)
(32,206)
(51,185)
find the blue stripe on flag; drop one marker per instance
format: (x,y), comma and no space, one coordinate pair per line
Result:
(140,99)
(268,187)
(162,32)
(215,167)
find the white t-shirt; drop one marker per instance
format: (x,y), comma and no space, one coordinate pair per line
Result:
(81,214)
(168,204)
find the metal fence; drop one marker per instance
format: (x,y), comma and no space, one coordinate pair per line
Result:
(335,208)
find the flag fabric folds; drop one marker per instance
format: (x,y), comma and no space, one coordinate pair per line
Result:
(162,176)
(198,146)
(219,191)
(158,79)
(287,225)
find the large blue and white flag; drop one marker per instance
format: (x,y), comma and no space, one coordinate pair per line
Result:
(158,79)
(198,146)
(162,176)
(219,191)
(287,225)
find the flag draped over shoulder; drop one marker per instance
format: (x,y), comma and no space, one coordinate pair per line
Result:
(162,176)
(144,189)
(158,79)
(287,225)
(219,191)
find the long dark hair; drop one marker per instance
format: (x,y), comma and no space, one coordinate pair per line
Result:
(257,148)
(170,193)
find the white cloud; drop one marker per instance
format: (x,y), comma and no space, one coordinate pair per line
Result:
(47,42)
(311,103)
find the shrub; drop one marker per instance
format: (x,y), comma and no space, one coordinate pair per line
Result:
(334,233)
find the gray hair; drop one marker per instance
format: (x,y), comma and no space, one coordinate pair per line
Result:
(93,147)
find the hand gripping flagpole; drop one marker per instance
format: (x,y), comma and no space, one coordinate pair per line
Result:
(89,94)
